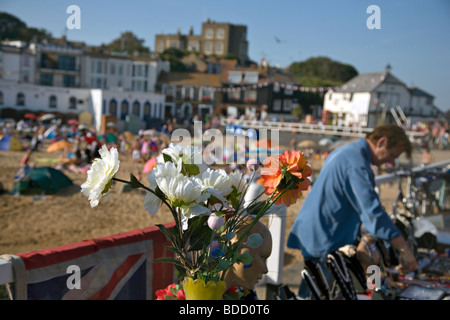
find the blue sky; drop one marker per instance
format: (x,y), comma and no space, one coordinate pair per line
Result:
(414,37)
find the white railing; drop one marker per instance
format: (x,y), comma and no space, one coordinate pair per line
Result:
(277,229)
(306,128)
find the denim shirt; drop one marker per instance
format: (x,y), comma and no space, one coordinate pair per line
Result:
(342,197)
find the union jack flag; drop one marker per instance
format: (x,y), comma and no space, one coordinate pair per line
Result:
(117,267)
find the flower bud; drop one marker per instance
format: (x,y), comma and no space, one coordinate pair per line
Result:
(215,222)
(214,245)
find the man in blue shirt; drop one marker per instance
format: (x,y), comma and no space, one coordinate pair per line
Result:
(343,197)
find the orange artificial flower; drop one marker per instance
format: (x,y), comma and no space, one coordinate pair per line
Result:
(287,173)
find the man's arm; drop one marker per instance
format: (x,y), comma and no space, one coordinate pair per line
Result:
(408,262)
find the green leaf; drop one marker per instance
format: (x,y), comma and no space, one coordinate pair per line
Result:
(169,260)
(198,234)
(167,158)
(168,233)
(223,265)
(192,169)
(134,182)
(245,258)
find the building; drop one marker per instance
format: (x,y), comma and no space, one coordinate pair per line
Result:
(17,62)
(145,108)
(216,38)
(225,88)
(372,98)
(67,78)
(121,73)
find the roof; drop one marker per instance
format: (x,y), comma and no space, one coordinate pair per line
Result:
(191,79)
(368,82)
(419,92)
(276,75)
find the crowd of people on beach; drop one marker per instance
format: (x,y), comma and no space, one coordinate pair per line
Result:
(84,141)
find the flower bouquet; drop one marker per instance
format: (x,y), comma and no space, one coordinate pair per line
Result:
(209,207)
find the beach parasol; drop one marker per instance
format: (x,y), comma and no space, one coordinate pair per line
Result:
(129,136)
(59,145)
(326,141)
(306,144)
(47,116)
(30,116)
(149,165)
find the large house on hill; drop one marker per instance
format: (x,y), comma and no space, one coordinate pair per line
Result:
(379,97)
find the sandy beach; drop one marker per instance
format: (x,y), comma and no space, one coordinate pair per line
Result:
(31,222)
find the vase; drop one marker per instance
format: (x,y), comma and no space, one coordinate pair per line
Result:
(198,290)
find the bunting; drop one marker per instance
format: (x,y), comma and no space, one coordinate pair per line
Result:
(259,85)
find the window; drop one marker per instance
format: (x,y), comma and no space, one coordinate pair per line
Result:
(220,33)
(113,107)
(72,103)
(69,81)
(46,79)
(136,108)
(276,105)
(209,33)
(112,69)
(147,109)
(208,47)
(66,63)
(160,46)
(234,95)
(1,97)
(98,83)
(219,47)
(123,110)
(287,105)
(250,96)
(120,70)
(20,99)
(276,87)
(193,46)
(99,67)
(52,102)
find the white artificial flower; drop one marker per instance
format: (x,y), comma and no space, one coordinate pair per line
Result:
(100,175)
(183,155)
(217,179)
(186,193)
(167,169)
(152,203)
(237,181)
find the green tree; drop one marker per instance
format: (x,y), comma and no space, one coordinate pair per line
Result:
(322,72)
(297,111)
(174,56)
(12,28)
(130,43)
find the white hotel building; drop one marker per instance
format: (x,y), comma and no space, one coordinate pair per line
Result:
(65,80)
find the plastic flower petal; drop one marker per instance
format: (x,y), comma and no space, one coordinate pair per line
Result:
(296,163)
(286,174)
(99,176)
(217,179)
(152,203)
(271,174)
